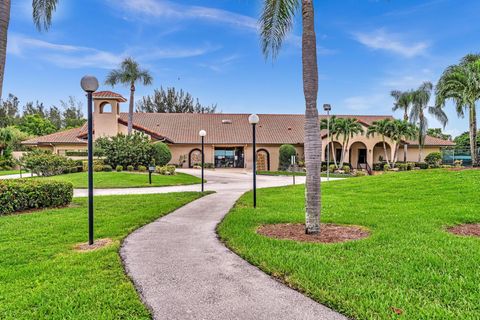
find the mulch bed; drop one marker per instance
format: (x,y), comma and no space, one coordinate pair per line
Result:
(466,230)
(329,233)
(97,244)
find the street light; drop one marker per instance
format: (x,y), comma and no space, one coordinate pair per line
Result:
(327,108)
(90,84)
(203,133)
(254,119)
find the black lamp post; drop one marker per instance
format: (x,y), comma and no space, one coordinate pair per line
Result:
(254,119)
(90,85)
(203,133)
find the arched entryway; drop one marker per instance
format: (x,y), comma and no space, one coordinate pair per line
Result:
(379,153)
(194,157)
(335,152)
(263,160)
(358,154)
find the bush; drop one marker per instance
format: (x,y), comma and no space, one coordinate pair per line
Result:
(360,173)
(402,166)
(47,164)
(119,168)
(332,168)
(130,168)
(168,170)
(346,169)
(458,163)
(386,167)
(23,194)
(286,153)
(96,162)
(421,165)
(134,149)
(98,167)
(142,168)
(6,162)
(161,154)
(207,165)
(434,159)
(107,168)
(410,165)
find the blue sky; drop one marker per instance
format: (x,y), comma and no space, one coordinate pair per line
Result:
(210,48)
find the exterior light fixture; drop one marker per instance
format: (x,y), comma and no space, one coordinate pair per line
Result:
(202,133)
(90,84)
(253,119)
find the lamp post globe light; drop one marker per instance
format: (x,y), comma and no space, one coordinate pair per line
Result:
(253,119)
(90,84)
(327,107)
(202,133)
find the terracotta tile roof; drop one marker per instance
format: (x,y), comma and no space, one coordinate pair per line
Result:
(64,137)
(109,95)
(432,141)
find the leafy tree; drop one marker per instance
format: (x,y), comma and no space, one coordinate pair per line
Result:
(403,101)
(9,111)
(36,125)
(72,113)
(172,101)
(398,131)
(6,140)
(129,74)
(54,115)
(37,108)
(438,133)
(381,127)
(461,84)
(275,24)
(286,152)
(347,128)
(420,100)
(161,154)
(18,137)
(462,142)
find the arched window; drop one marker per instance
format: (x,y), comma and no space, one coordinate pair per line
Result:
(105,107)
(194,157)
(263,160)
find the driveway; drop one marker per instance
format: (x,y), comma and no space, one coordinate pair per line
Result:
(183,271)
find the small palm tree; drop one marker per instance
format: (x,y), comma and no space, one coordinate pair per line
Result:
(275,24)
(381,127)
(129,74)
(347,128)
(332,123)
(42,16)
(420,100)
(461,83)
(403,101)
(398,131)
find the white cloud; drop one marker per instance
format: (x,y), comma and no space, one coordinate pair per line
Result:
(373,103)
(382,40)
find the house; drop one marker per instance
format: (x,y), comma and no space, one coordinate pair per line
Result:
(228,143)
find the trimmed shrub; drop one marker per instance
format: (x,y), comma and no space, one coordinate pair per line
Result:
(386,167)
(142,168)
(360,173)
(332,168)
(286,152)
(119,168)
(130,168)
(402,166)
(346,169)
(98,167)
(96,162)
(46,163)
(458,163)
(161,154)
(434,159)
(24,194)
(165,170)
(410,166)
(207,165)
(107,168)
(421,165)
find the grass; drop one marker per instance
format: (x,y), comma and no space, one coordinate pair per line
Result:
(409,262)
(289,173)
(43,278)
(125,180)
(9,172)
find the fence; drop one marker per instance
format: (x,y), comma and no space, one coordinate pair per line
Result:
(450,155)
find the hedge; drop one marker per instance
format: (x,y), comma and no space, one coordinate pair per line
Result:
(24,194)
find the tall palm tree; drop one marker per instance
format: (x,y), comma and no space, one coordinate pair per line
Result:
(129,74)
(42,16)
(332,124)
(347,128)
(398,131)
(275,24)
(381,127)
(461,83)
(403,101)
(420,100)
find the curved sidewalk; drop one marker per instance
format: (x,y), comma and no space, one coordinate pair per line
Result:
(183,271)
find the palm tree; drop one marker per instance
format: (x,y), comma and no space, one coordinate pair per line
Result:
(42,16)
(398,131)
(129,74)
(347,128)
(461,83)
(403,100)
(420,100)
(381,127)
(324,124)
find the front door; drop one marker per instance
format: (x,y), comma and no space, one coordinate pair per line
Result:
(229,157)
(362,156)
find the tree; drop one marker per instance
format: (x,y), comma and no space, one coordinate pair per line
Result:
(172,101)
(35,125)
(462,142)
(381,127)
(333,123)
(347,128)
(6,139)
(129,74)
(42,17)
(54,115)
(398,131)
(461,84)
(403,101)
(161,153)
(437,133)
(9,111)
(285,154)
(38,108)
(420,100)
(275,24)
(72,113)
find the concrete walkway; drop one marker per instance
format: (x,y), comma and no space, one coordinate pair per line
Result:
(183,271)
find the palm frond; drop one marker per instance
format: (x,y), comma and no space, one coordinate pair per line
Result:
(42,13)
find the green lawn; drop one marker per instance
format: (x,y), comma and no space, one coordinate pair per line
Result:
(289,173)
(409,262)
(43,278)
(125,180)
(9,172)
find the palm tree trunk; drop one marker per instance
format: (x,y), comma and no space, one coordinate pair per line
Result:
(473,135)
(130,108)
(4,21)
(313,140)
(385,150)
(405,114)
(334,153)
